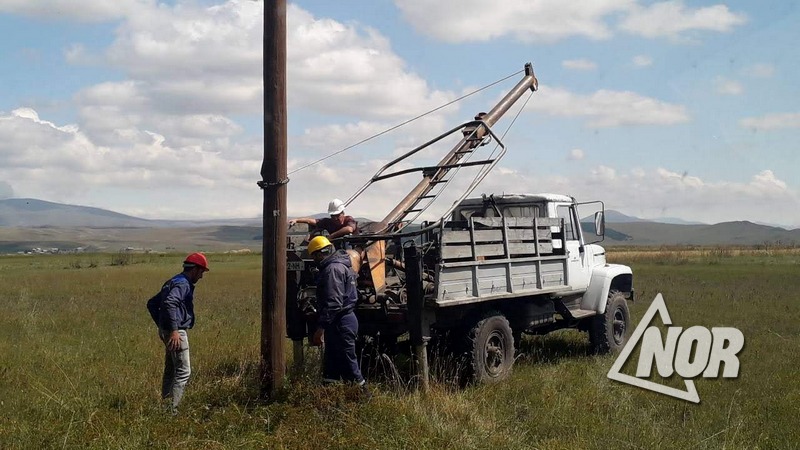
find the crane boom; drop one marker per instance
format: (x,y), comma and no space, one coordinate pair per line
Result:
(472,138)
(474,134)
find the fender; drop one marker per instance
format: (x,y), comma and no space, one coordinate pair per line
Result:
(600,284)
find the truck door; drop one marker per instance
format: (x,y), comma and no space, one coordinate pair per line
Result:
(577,261)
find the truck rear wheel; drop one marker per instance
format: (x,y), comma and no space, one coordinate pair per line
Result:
(608,331)
(490,349)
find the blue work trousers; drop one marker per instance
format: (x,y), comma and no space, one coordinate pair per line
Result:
(340,362)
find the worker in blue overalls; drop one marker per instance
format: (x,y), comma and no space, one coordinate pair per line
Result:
(337,324)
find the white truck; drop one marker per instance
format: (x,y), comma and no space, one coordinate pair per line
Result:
(512,264)
(490,269)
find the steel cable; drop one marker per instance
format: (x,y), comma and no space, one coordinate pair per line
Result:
(338,152)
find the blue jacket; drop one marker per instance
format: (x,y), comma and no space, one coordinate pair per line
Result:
(173,307)
(336,289)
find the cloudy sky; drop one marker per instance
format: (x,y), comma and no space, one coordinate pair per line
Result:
(153,108)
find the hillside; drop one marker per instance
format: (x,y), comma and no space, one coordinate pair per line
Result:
(28,212)
(26,224)
(726,233)
(613,216)
(111,239)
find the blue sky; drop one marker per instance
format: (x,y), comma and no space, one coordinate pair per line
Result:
(661,109)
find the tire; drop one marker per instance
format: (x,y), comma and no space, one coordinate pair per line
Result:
(490,349)
(608,332)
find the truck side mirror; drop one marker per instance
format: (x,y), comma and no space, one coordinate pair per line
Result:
(599,223)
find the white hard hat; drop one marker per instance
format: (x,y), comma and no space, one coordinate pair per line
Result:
(335,207)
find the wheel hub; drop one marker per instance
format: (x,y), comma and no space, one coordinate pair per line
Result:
(495,353)
(619,326)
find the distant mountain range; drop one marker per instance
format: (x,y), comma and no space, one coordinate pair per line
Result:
(28,212)
(31,223)
(630,230)
(725,233)
(618,217)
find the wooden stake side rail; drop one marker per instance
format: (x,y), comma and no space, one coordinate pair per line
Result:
(487,237)
(460,283)
(500,257)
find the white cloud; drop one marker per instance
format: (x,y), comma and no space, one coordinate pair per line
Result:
(168,128)
(648,193)
(165,139)
(138,171)
(579,64)
(766,182)
(642,61)
(606,108)
(119,112)
(663,193)
(576,154)
(672,19)
(524,20)
(341,69)
(80,10)
(680,181)
(6,190)
(194,60)
(326,139)
(208,60)
(60,160)
(725,86)
(76,54)
(546,21)
(772,122)
(311,189)
(602,174)
(760,70)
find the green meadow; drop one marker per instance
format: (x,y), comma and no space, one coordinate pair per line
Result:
(80,367)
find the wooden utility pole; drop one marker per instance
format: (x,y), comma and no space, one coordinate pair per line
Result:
(273,182)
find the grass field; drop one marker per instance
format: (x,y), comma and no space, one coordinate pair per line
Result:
(80,366)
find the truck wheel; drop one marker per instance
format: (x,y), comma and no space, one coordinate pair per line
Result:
(608,332)
(490,349)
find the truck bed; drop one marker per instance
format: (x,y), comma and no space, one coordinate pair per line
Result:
(488,258)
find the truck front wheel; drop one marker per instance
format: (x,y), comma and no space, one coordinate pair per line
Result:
(490,349)
(608,331)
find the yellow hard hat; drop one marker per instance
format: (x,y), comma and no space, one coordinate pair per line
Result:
(317,244)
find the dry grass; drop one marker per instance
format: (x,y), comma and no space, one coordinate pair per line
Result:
(682,255)
(80,363)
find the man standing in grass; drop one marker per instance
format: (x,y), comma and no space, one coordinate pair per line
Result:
(172,309)
(337,323)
